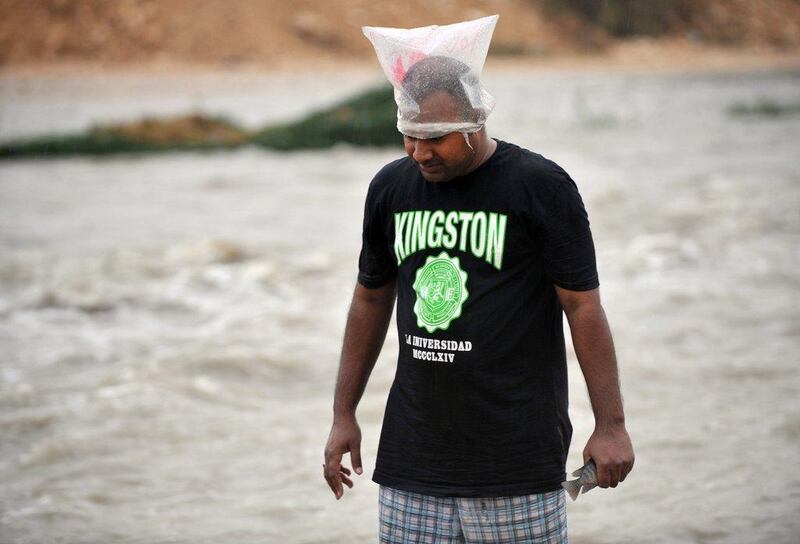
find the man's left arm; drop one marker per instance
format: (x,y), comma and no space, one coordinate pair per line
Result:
(609,446)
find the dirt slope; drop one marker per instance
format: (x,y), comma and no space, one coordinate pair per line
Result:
(279,32)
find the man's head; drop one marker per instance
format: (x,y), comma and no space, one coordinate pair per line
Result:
(437,85)
(430,78)
(441,105)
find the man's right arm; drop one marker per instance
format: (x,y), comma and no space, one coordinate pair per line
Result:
(367,322)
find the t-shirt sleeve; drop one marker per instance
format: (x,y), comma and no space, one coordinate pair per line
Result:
(376,265)
(566,239)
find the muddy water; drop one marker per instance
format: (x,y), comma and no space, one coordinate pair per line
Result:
(170,325)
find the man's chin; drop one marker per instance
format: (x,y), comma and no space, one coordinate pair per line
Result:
(434,176)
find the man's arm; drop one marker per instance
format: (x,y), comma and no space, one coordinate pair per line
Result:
(609,446)
(367,323)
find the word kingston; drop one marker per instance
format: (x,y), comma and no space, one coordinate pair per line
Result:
(482,234)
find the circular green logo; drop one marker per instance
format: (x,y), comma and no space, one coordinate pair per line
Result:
(441,288)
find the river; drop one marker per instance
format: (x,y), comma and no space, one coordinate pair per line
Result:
(170,324)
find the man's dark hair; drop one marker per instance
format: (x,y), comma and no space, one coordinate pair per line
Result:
(439,73)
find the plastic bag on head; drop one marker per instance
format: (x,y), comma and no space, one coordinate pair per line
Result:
(435,72)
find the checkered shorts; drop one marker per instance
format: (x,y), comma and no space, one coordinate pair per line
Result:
(413,517)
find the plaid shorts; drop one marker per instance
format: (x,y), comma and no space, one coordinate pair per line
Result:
(413,517)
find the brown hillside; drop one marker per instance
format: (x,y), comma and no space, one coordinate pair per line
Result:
(276,33)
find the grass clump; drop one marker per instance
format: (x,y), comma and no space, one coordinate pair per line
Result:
(369,119)
(764,107)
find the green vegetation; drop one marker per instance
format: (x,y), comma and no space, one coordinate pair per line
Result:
(368,119)
(764,107)
(623,18)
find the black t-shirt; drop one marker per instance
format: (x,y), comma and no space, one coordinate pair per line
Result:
(478,406)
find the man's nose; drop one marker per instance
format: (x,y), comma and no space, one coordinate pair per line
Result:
(422,151)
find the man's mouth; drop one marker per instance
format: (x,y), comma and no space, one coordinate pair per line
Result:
(428,168)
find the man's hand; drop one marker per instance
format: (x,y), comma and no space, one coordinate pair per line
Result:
(611,449)
(609,445)
(345,436)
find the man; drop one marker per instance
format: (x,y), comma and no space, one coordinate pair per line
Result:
(484,245)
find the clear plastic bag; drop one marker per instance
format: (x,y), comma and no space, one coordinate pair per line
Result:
(435,72)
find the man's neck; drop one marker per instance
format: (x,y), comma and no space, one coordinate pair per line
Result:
(484,152)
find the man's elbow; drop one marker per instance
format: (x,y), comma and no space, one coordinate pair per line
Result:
(385,294)
(572,301)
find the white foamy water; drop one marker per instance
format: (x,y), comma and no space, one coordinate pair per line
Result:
(170,325)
